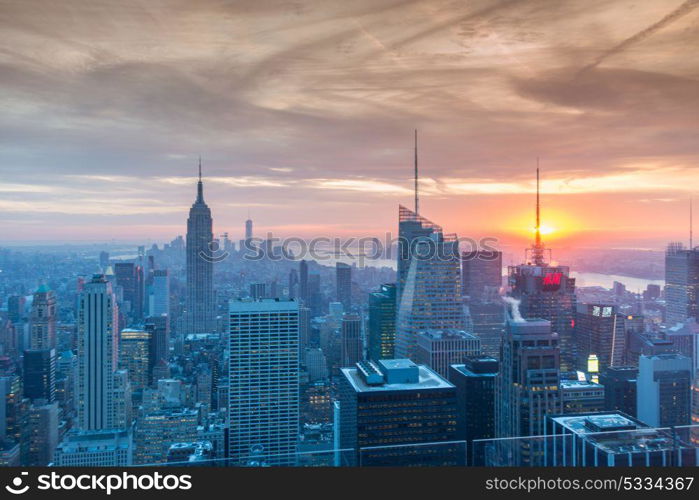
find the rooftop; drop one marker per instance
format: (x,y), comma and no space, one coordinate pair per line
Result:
(616,433)
(427,379)
(579,384)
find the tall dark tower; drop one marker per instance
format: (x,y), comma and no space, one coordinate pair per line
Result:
(200,287)
(546,291)
(248,228)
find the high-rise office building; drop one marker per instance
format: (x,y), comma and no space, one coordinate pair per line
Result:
(129,276)
(487,322)
(159,351)
(394,412)
(352,349)
(527,387)
(581,397)
(546,291)
(159,298)
(15,308)
(681,283)
(304,327)
(612,439)
(481,274)
(264,380)
(97,355)
(620,389)
(105,448)
(134,356)
(104,260)
(474,380)
(600,330)
(343,284)
(664,390)
(382,323)
(200,306)
(43,433)
(316,364)
(43,319)
(40,374)
(293,284)
(156,431)
(440,349)
(315,299)
(303,283)
(429,268)
(258,291)
(248,229)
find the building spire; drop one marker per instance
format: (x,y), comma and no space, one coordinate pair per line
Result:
(538,249)
(417,206)
(200,186)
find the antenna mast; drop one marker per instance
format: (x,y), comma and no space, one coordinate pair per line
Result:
(538,250)
(417,207)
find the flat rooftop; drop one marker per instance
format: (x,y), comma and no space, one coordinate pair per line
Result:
(427,379)
(578,384)
(615,433)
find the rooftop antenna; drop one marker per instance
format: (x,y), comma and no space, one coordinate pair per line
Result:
(200,186)
(691,235)
(538,250)
(417,211)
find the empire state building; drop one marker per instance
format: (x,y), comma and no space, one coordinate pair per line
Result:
(200,287)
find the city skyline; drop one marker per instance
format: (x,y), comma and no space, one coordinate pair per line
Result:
(298,117)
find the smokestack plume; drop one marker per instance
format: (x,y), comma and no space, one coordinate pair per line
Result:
(514,308)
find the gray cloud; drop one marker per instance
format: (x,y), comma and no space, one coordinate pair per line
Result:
(321,99)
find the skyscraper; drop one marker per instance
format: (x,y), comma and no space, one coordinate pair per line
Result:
(481,274)
(474,380)
(546,292)
(40,374)
(129,276)
(97,355)
(620,389)
(664,390)
(159,298)
(303,283)
(394,412)
(429,268)
(681,283)
(134,356)
(352,350)
(248,229)
(343,282)
(527,387)
(440,349)
(200,287)
(40,359)
(264,381)
(487,321)
(382,323)
(612,439)
(43,319)
(599,330)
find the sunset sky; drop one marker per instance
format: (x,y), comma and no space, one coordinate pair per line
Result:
(303,113)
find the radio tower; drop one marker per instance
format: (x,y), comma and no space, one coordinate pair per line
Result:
(417,211)
(538,248)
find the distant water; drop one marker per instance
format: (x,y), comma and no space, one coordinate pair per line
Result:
(607,281)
